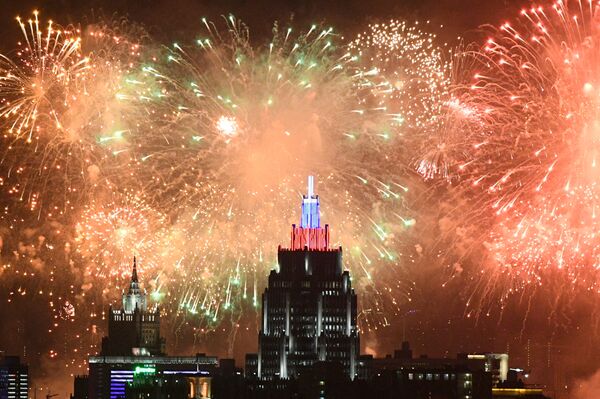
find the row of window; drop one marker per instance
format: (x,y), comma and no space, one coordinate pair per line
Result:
(436,376)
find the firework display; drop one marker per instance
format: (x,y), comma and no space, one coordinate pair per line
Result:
(62,118)
(193,156)
(526,149)
(240,129)
(109,235)
(37,91)
(410,74)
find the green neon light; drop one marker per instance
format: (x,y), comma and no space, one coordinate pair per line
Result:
(144,370)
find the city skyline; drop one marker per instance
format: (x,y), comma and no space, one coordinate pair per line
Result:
(308,331)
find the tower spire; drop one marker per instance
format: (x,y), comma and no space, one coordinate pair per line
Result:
(309,234)
(134,276)
(134,297)
(310,207)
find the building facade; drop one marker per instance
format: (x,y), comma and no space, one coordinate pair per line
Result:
(462,377)
(133,329)
(110,377)
(14,378)
(309,307)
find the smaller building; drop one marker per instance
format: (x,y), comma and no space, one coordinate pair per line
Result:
(110,376)
(514,387)
(251,366)
(14,378)
(148,384)
(228,381)
(423,377)
(434,381)
(134,329)
(81,386)
(495,363)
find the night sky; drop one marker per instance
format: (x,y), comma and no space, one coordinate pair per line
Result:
(177,19)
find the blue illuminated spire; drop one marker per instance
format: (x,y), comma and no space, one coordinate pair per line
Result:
(310,207)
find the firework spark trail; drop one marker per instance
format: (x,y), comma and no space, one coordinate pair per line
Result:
(36,91)
(529,148)
(58,104)
(412,79)
(108,234)
(409,74)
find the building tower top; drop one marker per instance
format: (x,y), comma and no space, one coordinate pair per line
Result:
(134,298)
(134,277)
(311,217)
(134,329)
(310,235)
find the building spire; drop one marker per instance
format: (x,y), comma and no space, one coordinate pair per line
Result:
(310,235)
(134,276)
(310,207)
(134,298)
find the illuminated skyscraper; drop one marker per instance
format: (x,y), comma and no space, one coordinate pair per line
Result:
(133,330)
(309,306)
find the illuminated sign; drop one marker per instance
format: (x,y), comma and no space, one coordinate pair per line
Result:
(146,369)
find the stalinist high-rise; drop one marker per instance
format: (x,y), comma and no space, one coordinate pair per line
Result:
(309,306)
(134,329)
